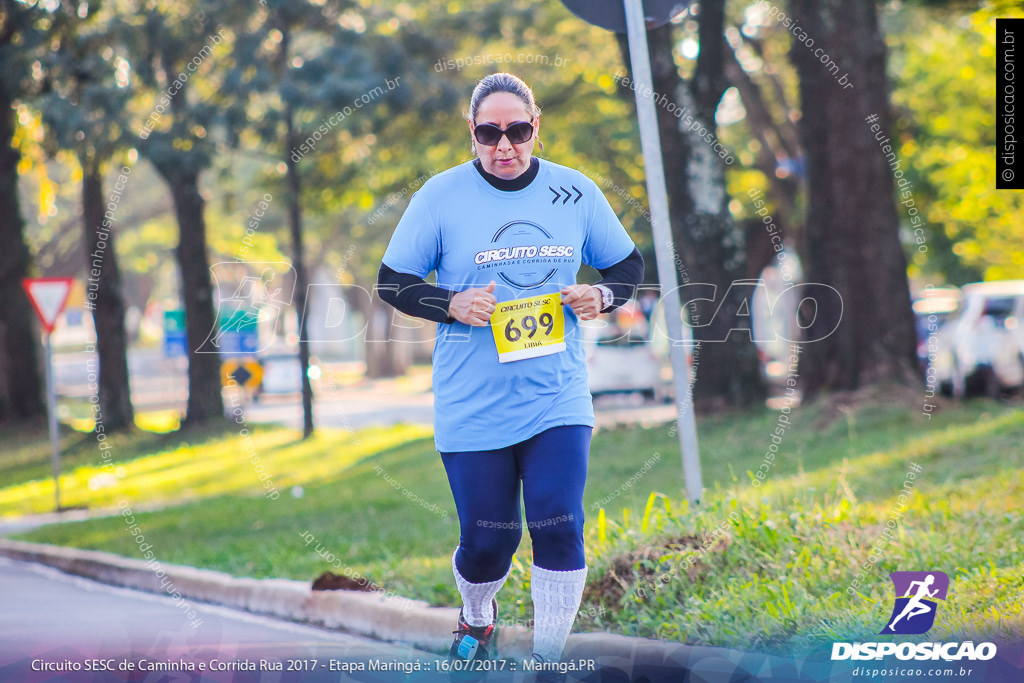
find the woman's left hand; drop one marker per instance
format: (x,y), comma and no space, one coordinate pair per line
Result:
(585,300)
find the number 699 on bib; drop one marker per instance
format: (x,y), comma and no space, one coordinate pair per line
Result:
(529,327)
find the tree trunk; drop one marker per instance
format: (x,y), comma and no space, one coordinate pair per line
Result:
(387,347)
(710,245)
(204,383)
(103,297)
(298,250)
(852,234)
(21,384)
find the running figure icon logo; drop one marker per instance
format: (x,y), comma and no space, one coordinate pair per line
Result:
(916,595)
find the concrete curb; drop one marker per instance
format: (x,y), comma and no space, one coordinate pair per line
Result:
(374,615)
(387,618)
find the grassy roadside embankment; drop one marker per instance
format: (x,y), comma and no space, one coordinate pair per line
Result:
(775,576)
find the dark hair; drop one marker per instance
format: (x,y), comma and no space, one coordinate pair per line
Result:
(502,82)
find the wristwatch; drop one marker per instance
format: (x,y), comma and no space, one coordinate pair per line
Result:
(607,297)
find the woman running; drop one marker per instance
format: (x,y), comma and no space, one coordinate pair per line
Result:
(506,234)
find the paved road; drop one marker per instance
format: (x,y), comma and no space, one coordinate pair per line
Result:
(156,382)
(361,407)
(49,619)
(381,406)
(57,628)
(161,384)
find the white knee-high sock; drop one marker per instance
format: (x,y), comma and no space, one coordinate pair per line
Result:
(476,597)
(556,599)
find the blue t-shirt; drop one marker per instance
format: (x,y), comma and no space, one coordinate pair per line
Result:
(529,242)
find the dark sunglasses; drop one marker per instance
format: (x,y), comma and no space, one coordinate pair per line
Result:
(490,135)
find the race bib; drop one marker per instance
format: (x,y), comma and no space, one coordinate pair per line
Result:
(528,328)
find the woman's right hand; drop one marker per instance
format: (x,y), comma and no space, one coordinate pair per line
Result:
(474,306)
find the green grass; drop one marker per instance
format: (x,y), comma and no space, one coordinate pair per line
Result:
(378,502)
(150,470)
(26,453)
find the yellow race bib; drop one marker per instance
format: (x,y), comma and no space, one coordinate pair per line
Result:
(528,328)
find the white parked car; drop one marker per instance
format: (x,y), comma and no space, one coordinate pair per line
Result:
(627,354)
(933,307)
(981,346)
(620,363)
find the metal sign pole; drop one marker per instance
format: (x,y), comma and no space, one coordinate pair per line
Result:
(48,296)
(51,402)
(663,246)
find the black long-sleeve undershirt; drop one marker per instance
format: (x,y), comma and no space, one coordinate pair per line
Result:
(622,278)
(416,297)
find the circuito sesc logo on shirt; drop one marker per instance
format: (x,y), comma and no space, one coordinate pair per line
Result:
(520,260)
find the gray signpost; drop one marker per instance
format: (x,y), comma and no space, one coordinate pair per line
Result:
(632,17)
(49,296)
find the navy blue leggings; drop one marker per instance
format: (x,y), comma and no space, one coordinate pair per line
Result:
(553,468)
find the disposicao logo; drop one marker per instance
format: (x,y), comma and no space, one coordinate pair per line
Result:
(915,607)
(913,613)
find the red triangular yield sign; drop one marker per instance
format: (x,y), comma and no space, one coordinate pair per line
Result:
(48,296)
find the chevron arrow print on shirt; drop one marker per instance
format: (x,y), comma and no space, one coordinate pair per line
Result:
(568,195)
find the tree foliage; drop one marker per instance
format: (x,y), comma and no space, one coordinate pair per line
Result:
(220,141)
(944,73)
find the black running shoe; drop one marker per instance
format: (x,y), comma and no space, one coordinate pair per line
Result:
(472,645)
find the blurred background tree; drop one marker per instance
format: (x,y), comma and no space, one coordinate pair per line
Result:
(174,48)
(23,36)
(943,84)
(711,245)
(851,242)
(96,72)
(84,109)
